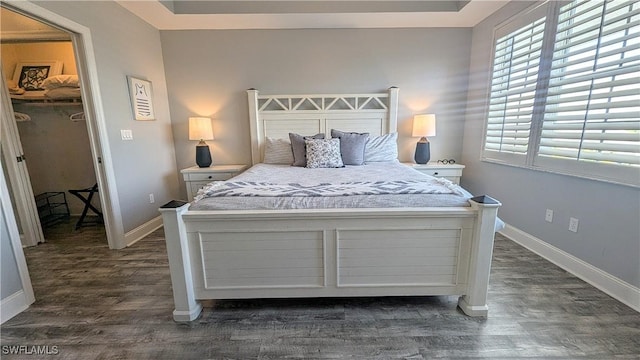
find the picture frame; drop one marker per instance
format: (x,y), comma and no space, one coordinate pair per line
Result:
(29,75)
(141,95)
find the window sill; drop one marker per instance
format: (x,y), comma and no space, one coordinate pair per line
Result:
(613,181)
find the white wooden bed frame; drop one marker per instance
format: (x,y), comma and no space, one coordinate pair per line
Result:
(328,252)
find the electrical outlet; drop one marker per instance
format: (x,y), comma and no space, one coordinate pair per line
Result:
(573,225)
(151,199)
(548,216)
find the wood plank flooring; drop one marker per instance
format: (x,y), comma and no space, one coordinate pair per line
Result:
(96,303)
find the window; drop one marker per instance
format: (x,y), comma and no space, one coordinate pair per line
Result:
(566,98)
(513,87)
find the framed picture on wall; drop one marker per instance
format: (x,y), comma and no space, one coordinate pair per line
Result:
(30,75)
(141,98)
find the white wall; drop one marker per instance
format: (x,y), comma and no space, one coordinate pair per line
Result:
(209,71)
(609,234)
(126,45)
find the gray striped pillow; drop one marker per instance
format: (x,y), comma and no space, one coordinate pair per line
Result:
(277,151)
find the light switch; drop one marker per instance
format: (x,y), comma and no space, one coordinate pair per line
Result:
(126,134)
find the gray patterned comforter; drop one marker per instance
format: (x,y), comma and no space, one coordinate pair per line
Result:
(392,187)
(386,185)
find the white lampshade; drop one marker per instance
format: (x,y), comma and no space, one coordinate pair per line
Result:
(200,128)
(424,125)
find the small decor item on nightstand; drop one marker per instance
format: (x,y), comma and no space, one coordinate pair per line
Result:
(447,161)
(423,126)
(200,129)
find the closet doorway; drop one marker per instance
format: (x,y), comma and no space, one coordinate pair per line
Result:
(50,139)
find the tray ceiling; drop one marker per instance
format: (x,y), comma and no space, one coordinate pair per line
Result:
(300,14)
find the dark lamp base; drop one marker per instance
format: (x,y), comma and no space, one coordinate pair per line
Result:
(203,156)
(423,153)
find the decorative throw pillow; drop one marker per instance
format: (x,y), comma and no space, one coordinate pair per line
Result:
(383,148)
(323,153)
(57,81)
(299,149)
(277,151)
(352,146)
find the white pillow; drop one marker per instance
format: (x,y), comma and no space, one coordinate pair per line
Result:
(277,151)
(323,153)
(62,93)
(58,81)
(383,148)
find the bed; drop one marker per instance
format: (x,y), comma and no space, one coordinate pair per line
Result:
(220,251)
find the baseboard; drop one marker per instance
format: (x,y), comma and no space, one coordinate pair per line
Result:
(13,305)
(607,283)
(143,230)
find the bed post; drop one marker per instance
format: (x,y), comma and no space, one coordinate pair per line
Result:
(187,308)
(252,95)
(393,109)
(474,302)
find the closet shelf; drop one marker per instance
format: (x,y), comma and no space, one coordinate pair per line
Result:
(46,102)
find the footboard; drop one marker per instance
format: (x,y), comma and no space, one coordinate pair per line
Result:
(329,253)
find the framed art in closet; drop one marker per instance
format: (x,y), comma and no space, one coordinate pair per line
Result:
(30,75)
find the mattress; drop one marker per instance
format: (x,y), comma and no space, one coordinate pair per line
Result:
(417,190)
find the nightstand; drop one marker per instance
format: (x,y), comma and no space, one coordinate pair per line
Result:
(452,172)
(196,178)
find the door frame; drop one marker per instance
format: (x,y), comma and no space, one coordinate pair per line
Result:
(94,113)
(15,303)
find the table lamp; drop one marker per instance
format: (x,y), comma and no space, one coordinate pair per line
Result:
(200,128)
(423,125)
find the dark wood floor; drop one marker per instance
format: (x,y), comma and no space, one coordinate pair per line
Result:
(96,303)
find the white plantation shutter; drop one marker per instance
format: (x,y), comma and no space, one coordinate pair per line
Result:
(567,98)
(513,86)
(593,105)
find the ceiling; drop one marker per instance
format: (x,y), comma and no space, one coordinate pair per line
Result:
(310,14)
(15,27)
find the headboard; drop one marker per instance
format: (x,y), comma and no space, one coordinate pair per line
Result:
(276,116)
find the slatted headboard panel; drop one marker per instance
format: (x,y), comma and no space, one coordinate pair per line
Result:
(276,116)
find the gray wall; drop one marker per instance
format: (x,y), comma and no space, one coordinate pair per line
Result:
(208,72)
(126,45)
(609,232)
(58,151)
